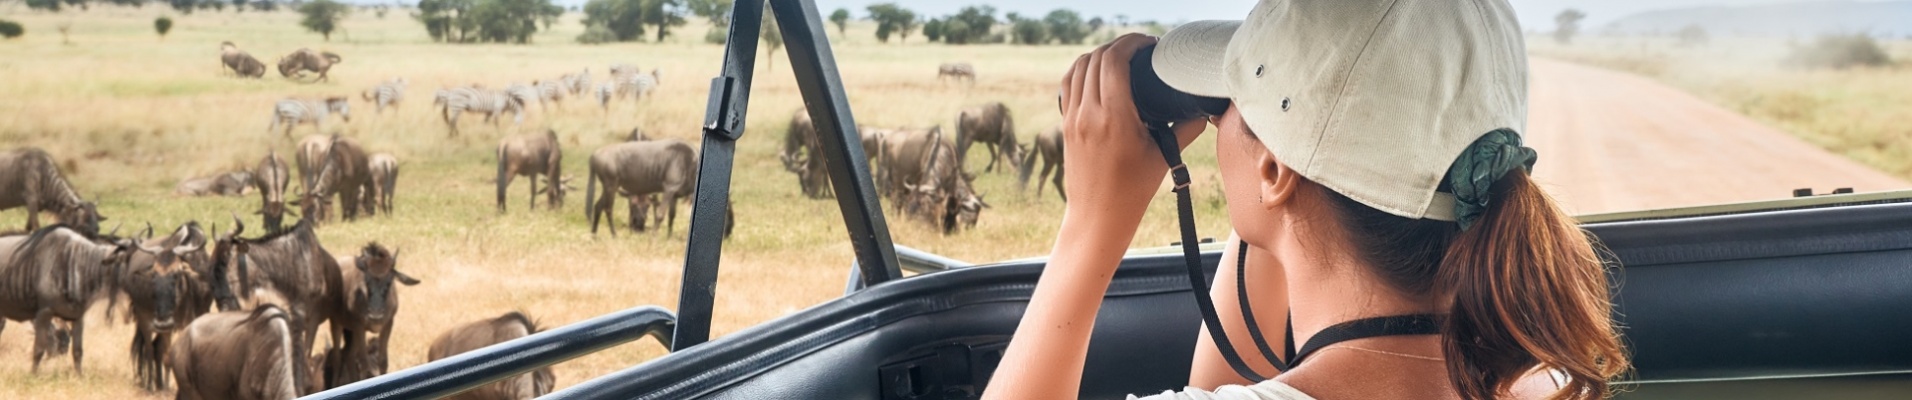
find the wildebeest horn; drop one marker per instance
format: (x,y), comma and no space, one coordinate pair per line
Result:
(148,233)
(150,249)
(114,231)
(237,226)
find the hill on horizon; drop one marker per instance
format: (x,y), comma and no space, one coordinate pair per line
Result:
(1887,18)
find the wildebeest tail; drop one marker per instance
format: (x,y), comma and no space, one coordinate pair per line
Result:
(519,317)
(1027,165)
(590,196)
(501,178)
(334,58)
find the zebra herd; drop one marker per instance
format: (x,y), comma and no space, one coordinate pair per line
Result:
(452,103)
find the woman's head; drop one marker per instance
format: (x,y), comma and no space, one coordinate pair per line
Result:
(1389,131)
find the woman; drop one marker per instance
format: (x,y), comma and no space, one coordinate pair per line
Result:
(1372,165)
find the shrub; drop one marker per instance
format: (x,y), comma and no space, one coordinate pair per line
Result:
(1839,51)
(163,25)
(11,29)
(1029,31)
(597,33)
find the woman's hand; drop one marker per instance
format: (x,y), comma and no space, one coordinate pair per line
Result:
(1111,165)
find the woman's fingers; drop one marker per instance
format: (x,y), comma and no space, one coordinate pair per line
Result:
(1072,85)
(1092,86)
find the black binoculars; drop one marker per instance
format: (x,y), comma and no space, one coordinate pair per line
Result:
(1160,105)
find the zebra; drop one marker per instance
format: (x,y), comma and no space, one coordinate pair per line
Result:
(577,83)
(292,112)
(386,94)
(454,102)
(550,91)
(525,93)
(604,92)
(637,85)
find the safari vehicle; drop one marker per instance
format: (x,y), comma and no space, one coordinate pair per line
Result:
(1803,298)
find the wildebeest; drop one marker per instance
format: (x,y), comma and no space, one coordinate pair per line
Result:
(291,113)
(364,326)
(991,125)
(386,94)
(304,59)
(271,178)
(1048,147)
(165,291)
(529,156)
(290,269)
(346,173)
(802,155)
(29,177)
(235,183)
(960,71)
(58,272)
(384,169)
(925,179)
(241,63)
(455,102)
(487,332)
(249,355)
(666,166)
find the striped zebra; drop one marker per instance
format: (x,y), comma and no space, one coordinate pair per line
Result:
(637,85)
(455,102)
(550,91)
(621,69)
(525,93)
(386,94)
(292,112)
(577,83)
(604,93)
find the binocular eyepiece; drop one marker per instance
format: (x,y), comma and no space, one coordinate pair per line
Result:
(1160,105)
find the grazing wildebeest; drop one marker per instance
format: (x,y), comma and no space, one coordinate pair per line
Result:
(58,272)
(384,169)
(991,125)
(346,173)
(289,268)
(165,290)
(304,59)
(529,156)
(363,327)
(960,71)
(241,63)
(271,178)
(666,166)
(291,113)
(926,180)
(455,102)
(1048,147)
(29,177)
(250,355)
(802,155)
(235,183)
(488,332)
(386,94)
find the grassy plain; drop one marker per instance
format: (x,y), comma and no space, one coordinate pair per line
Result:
(129,115)
(1859,113)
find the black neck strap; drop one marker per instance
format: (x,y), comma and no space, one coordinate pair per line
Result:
(1400,325)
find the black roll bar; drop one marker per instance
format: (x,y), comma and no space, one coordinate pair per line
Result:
(490,364)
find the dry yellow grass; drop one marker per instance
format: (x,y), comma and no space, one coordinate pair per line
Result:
(1859,113)
(130,115)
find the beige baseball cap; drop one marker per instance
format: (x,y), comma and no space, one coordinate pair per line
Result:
(1373,99)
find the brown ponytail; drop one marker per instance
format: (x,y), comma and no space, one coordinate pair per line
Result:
(1528,289)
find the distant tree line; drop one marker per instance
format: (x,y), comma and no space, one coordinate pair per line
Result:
(182,6)
(977,25)
(490,21)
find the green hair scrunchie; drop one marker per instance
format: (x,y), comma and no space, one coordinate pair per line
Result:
(1473,174)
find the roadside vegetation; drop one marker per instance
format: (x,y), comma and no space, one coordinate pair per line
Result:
(1849,93)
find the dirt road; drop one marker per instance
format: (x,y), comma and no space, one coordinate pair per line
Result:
(1611,141)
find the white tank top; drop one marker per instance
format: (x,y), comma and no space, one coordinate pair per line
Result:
(1266,390)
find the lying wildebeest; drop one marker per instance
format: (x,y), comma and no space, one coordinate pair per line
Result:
(164,292)
(346,173)
(455,102)
(386,94)
(531,155)
(1048,147)
(291,113)
(488,332)
(370,305)
(271,178)
(58,272)
(235,183)
(28,177)
(247,355)
(991,125)
(241,63)
(303,59)
(288,268)
(802,155)
(926,180)
(666,166)
(384,169)
(960,71)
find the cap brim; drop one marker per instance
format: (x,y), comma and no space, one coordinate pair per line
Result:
(1189,58)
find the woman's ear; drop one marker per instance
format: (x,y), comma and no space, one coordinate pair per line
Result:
(1278,182)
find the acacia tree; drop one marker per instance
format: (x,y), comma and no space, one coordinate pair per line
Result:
(1567,24)
(163,25)
(1066,26)
(664,14)
(624,18)
(718,13)
(323,16)
(892,19)
(512,21)
(841,17)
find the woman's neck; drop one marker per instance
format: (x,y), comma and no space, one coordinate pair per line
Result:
(1329,286)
